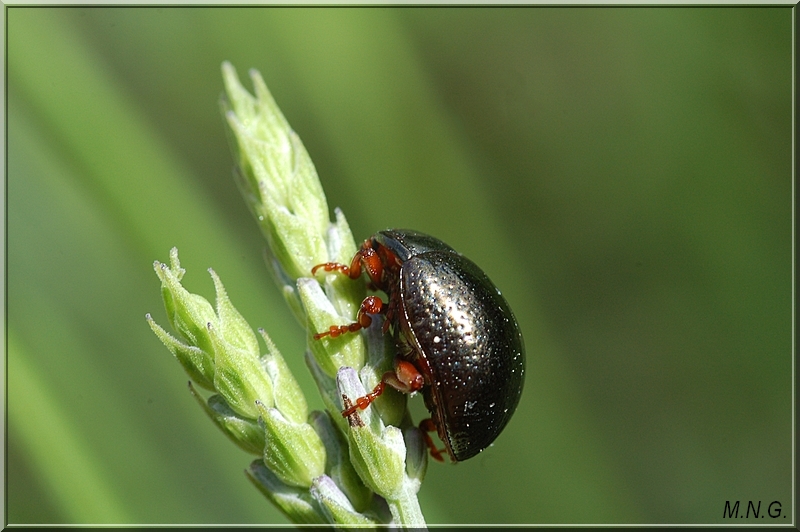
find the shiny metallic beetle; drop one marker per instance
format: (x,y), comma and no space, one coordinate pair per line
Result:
(457,338)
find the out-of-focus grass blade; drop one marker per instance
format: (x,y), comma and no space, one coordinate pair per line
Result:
(94,198)
(80,488)
(87,113)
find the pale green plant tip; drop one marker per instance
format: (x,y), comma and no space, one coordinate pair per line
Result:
(175,263)
(279,178)
(341,245)
(188,313)
(294,452)
(198,364)
(376,451)
(232,325)
(242,101)
(345,295)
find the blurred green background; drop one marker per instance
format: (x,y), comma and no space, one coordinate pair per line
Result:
(623,175)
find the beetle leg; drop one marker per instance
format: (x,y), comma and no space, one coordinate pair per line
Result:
(405,378)
(353,271)
(426,426)
(372,263)
(365,257)
(365,401)
(370,305)
(391,312)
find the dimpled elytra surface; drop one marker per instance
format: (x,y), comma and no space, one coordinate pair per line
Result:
(471,345)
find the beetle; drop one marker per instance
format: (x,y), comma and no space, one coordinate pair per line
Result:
(457,338)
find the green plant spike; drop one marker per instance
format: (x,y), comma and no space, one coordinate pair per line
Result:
(316,468)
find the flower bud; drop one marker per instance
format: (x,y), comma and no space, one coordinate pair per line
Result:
(232,325)
(245,433)
(344,294)
(294,452)
(198,364)
(240,377)
(339,466)
(376,451)
(189,314)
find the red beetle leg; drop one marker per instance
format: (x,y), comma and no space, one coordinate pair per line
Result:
(372,263)
(390,312)
(353,271)
(365,257)
(370,305)
(365,401)
(337,330)
(405,378)
(426,426)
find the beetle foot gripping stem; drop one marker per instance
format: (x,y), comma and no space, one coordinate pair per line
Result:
(426,426)
(353,420)
(405,378)
(332,266)
(370,305)
(363,402)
